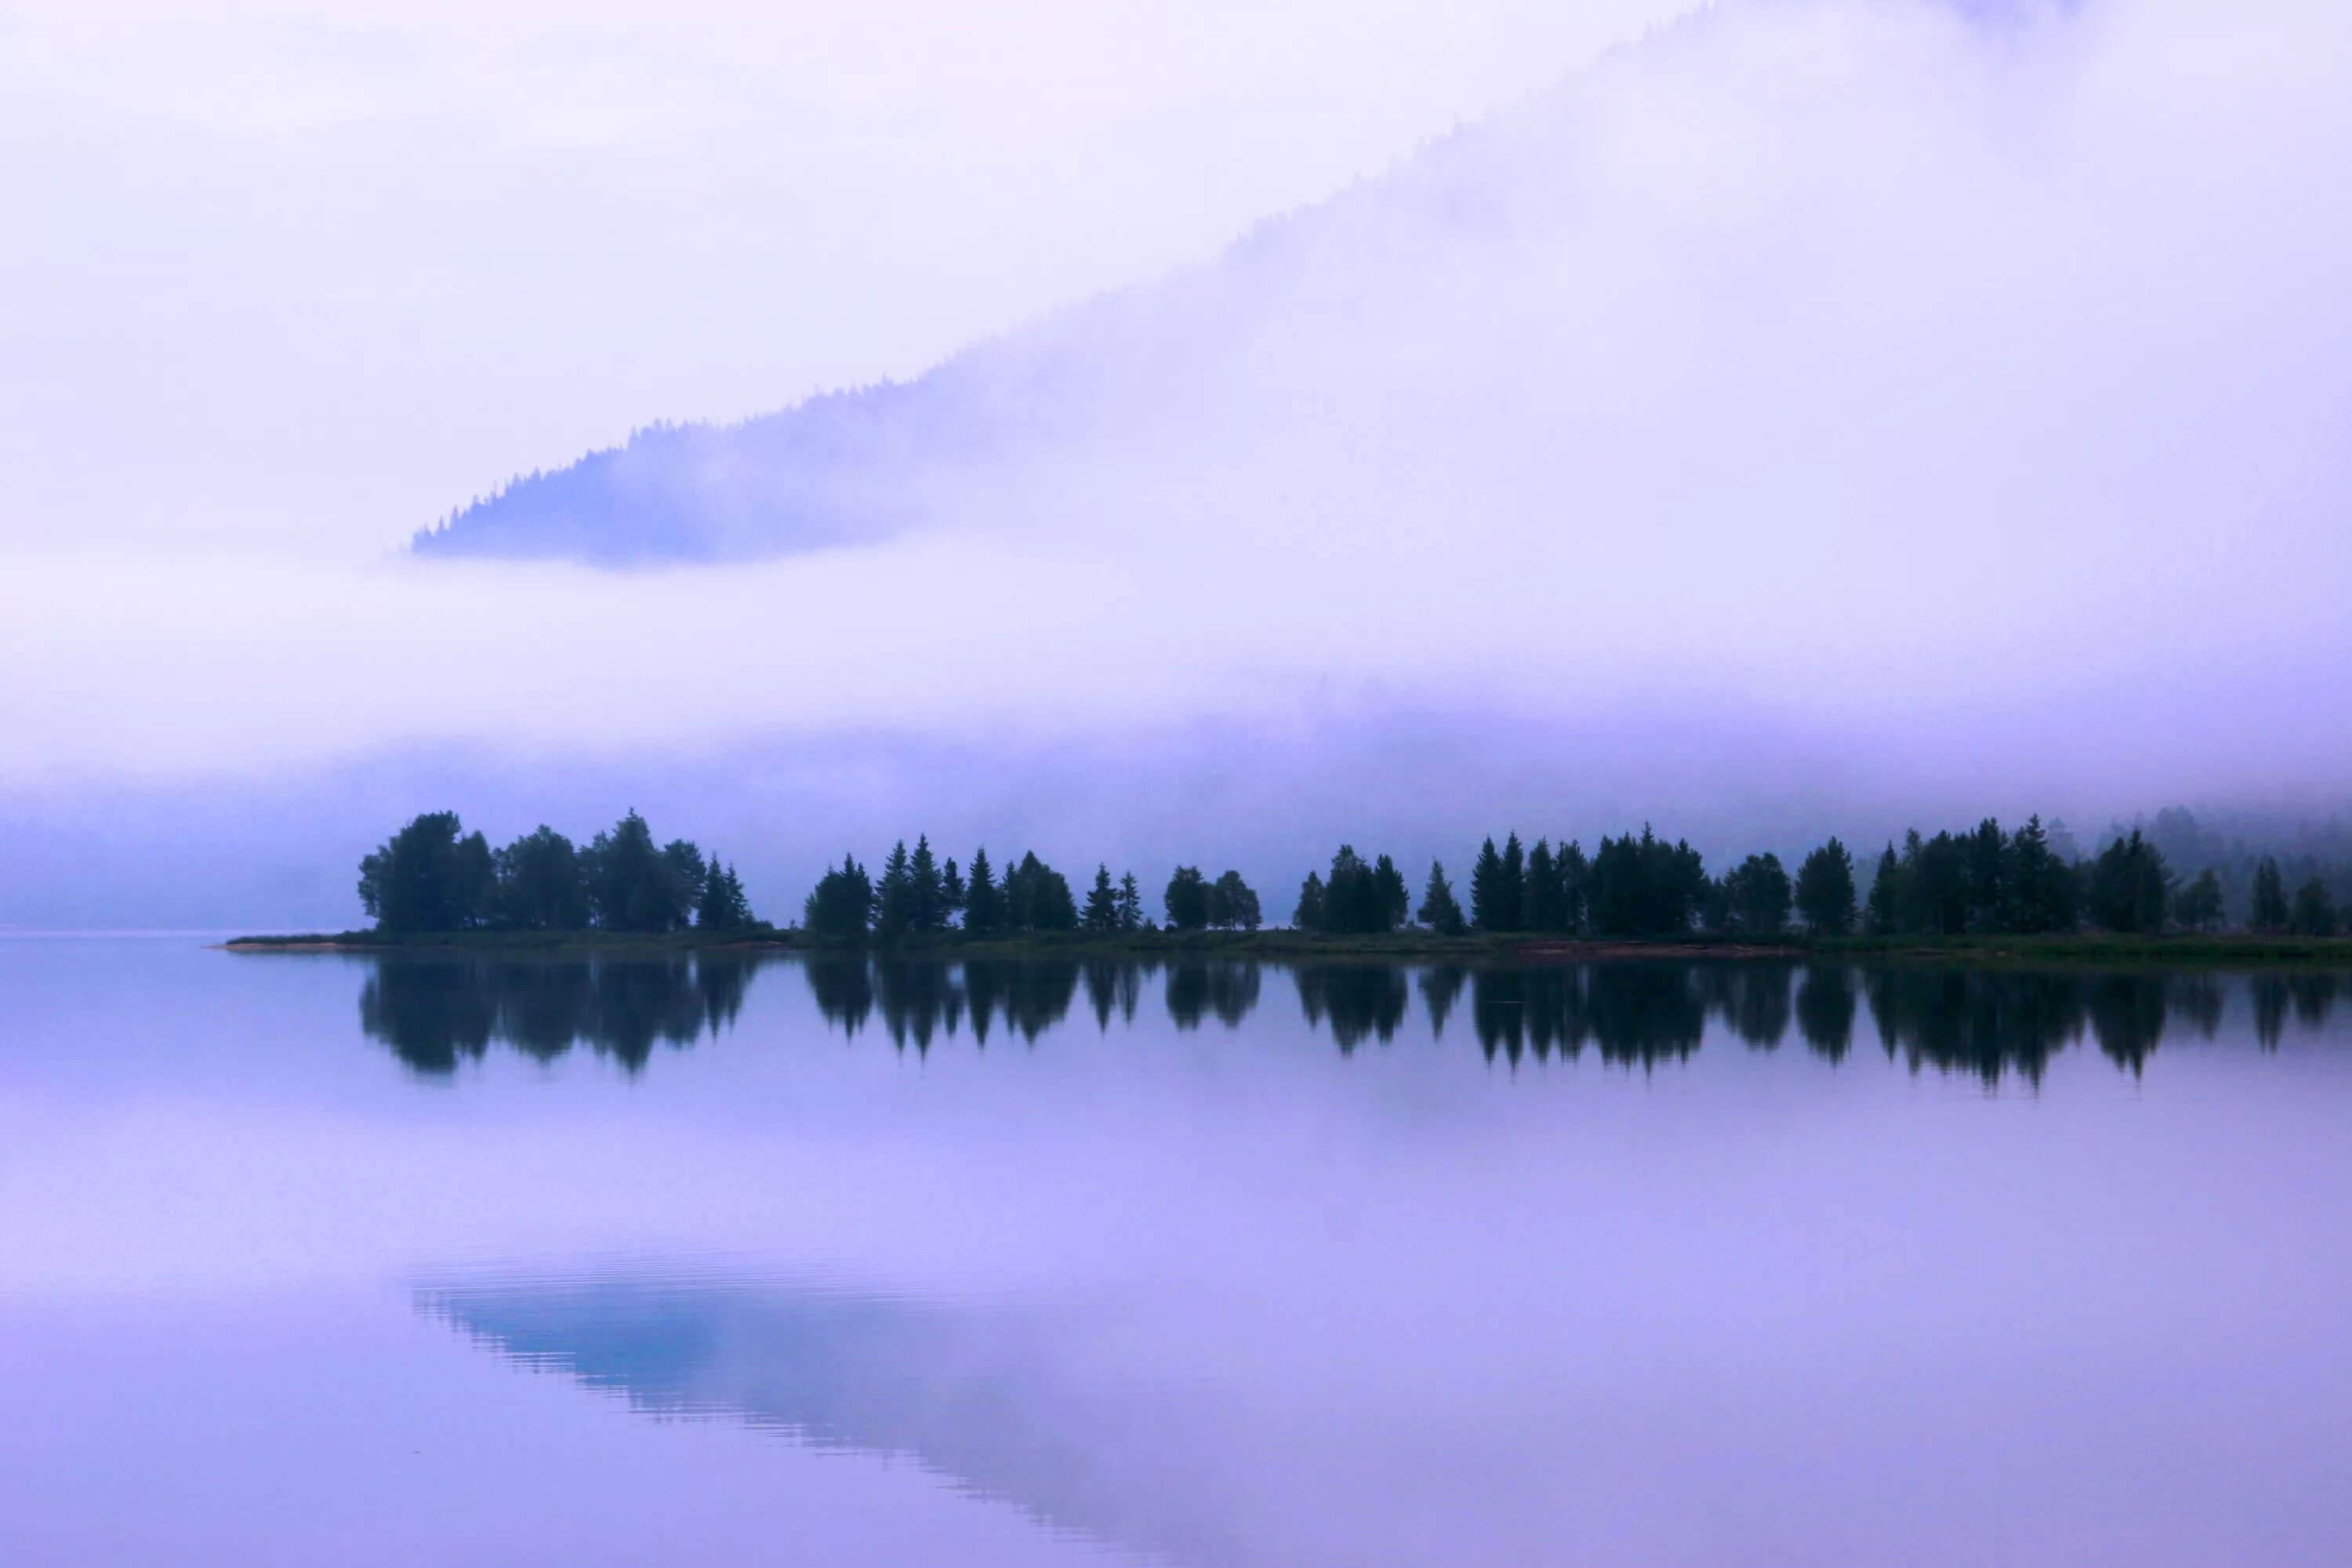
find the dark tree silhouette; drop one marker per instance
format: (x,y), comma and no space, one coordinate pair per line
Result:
(983,901)
(1187,899)
(539,884)
(1439,910)
(1310,914)
(1102,903)
(2270,913)
(431,876)
(2314,911)
(1233,903)
(2197,905)
(1824,893)
(723,907)
(842,904)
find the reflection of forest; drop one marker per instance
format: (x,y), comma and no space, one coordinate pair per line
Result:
(435,1011)
(1983,1022)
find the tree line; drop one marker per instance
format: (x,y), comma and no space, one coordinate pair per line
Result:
(433,876)
(919,894)
(1979,881)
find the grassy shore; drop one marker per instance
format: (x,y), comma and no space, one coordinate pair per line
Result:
(1477,947)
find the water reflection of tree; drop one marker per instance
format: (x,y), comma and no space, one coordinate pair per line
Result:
(1752,999)
(1113,986)
(435,1011)
(1441,988)
(1825,1009)
(1360,1001)
(1224,988)
(1979,1023)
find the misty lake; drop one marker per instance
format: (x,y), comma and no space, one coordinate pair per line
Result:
(321,1259)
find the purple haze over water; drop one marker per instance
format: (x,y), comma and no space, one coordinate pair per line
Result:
(309,1260)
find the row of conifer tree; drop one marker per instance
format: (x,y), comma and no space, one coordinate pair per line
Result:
(919,894)
(433,876)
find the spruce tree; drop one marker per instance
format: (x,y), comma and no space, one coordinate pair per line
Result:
(2314,911)
(983,903)
(1391,898)
(2271,914)
(723,906)
(1311,913)
(1825,895)
(893,895)
(1102,903)
(1439,911)
(1886,899)
(1758,892)
(927,892)
(2198,906)
(842,904)
(1131,903)
(1539,908)
(2041,889)
(1487,889)
(1575,875)
(1511,889)
(1989,876)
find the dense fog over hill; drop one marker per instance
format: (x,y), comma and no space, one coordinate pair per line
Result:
(1820,415)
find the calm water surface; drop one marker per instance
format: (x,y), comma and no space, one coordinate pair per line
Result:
(312,1259)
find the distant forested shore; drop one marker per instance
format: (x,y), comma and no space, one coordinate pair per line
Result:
(1984,889)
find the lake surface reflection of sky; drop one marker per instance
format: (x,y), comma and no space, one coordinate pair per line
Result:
(313,1258)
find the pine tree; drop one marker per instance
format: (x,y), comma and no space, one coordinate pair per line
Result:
(893,895)
(2269,912)
(927,893)
(983,904)
(1757,894)
(842,904)
(1131,903)
(1575,875)
(1311,913)
(1038,898)
(1825,895)
(2314,911)
(1886,899)
(2198,905)
(723,907)
(1102,903)
(2042,890)
(1439,911)
(1539,909)
(1988,877)
(1511,889)
(1487,889)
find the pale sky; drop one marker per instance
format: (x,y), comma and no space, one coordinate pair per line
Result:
(1945,399)
(315,271)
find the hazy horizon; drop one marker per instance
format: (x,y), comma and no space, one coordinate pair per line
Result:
(1772,419)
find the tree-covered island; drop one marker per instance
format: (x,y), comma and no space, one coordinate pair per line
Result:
(434,883)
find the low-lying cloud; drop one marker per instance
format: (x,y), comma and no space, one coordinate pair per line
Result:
(1963,393)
